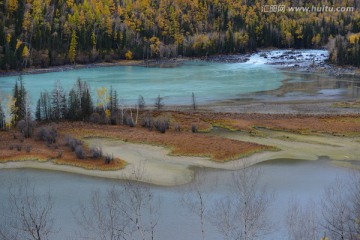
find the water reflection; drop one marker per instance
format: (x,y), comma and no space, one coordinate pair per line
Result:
(303,179)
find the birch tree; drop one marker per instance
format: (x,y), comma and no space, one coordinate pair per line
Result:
(302,221)
(252,203)
(123,212)
(197,200)
(30,214)
(244,213)
(340,208)
(58,102)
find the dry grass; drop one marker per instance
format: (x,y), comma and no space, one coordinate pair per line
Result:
(92,164)
(40,152)
(180,144)
(355,104)
(347,125)
(183,143)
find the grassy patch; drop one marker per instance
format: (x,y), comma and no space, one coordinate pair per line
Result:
(180,144)
(23,157)
(91,164)
(355,104)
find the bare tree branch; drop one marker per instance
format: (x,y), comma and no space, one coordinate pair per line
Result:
(31,214)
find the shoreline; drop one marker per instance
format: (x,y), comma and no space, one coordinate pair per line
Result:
(321,67)
(169,170)
(160,168)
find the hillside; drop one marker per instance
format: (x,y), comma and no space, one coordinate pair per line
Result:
(44,33)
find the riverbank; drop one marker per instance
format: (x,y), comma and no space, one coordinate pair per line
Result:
(302,60)
(224,141)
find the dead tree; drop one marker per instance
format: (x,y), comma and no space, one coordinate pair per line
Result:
(193,101)
(341,208)
(159,102)
(127,212)
(252,202)
(302,221)
(31,214)
(244,213)
(197,200)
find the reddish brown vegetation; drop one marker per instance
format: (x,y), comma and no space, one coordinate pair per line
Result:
(181,143)
(31,149)
(330,124)
(179,138)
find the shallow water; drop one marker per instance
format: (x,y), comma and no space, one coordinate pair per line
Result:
(301,179)
(210,81)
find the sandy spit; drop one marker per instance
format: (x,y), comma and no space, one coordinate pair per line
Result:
(152,164)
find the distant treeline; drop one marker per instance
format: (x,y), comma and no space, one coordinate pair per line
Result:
(45,33)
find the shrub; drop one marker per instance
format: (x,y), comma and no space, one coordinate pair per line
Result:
(60,154)
(28,148)
(26,128)
(194,128)
(161,124)
(46,134)
(18,147)
(72,143)
(95,118)
(109,159)
(96,152)
(130,121)
(177,127)
(147,122)
(79,152)
(113,121)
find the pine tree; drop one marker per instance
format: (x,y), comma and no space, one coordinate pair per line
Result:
(73,106)
(86,104)
(113,102)
(38,115)
(19,95)
(2,117)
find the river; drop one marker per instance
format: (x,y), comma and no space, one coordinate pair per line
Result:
(302,180)
(209,81)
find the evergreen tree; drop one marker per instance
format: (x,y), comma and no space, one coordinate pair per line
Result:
(43,107)
(38,115)
(19,95)
(86,104)
(73,106)
(32,33)
(113,102)
(2,117)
